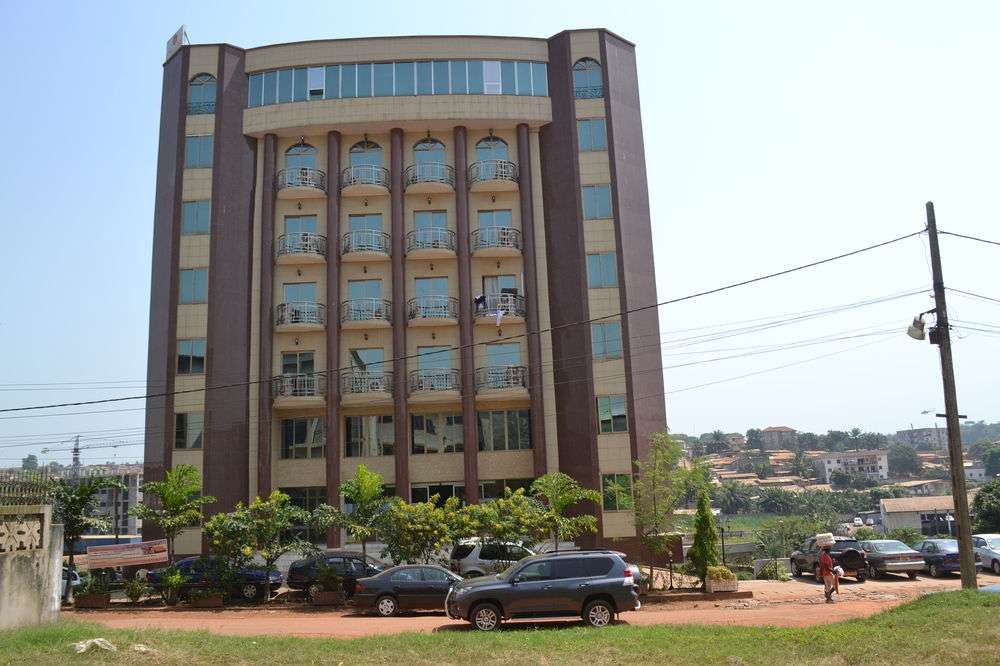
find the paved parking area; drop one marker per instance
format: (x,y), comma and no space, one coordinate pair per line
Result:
(796,603)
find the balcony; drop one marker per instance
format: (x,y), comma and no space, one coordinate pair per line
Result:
(588,92)
(300,316)
(496,242)
(201,108)
(432,311)
(505,382)
(493,176)
(301,183)
(435,385)
(299,391)
(300,248)
(366,313)
(361,387)
(429,178)
(432,243)
(364,180)
(512,306)
(365,245)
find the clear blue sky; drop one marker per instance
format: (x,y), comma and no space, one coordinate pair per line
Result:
(776,133)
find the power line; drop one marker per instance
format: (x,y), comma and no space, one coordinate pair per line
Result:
(973,295)
(642,308)
(981,240)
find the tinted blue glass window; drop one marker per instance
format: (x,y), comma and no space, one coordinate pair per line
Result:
(425,80)
(404,78)
(194,285)
(539,79)
(332,82)
(195,217)
(475,77)
(596,202)
(270,87)
(197,152)
(441,78)
(524,78)
(256,90)
(383,79)
(365,80)
(284,85)
(602,270)
(507,83)
(348,80)
(299,85)
(459,86)
(592,134)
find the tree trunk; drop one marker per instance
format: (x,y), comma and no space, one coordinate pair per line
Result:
(364,553)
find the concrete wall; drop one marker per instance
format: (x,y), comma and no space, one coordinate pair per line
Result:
(30,566)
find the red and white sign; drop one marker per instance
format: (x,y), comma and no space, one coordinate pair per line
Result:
(127,554)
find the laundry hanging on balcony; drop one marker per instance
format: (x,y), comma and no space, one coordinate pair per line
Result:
(500,313)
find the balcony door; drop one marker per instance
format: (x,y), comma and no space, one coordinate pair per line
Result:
(359,289)
(500,284)
(299,292)
(297,363)
(504,354)
(300,224)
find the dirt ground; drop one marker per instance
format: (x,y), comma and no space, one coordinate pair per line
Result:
(797,603)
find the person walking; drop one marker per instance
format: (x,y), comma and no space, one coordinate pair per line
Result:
(826,573)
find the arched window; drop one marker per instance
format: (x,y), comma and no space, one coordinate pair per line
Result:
(588,83)
(300,156)
(426,151)
(201,94)
(492,148)
(366,153)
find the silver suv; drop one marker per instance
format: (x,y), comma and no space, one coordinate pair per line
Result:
(474,558)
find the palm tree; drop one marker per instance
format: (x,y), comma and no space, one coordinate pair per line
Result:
(177,505)
(559,492)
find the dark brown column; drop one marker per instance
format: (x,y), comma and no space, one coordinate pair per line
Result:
(266,323)
(634,239)
(227,410)
(531,290)
(465,329)
(333,329)
(401,419)
(161,363)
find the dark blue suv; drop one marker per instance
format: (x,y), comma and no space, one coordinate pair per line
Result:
(593,584)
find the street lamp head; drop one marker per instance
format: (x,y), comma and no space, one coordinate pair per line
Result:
(916,329)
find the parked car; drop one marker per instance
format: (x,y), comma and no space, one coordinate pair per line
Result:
(941,556)
(891,556)
(347,563)
(593,584)
(472,557)
(988,548)
(846,553)
(406,587)
(69,576)
(207,571)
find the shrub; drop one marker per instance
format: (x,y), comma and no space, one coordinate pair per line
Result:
(907,535)
(865,534)
(204,592)
(720,573)
(170,586)
(94,583)
(772,571)
(328,578)
(135,589)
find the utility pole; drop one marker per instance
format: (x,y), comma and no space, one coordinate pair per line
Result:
(76,459)
(943,341)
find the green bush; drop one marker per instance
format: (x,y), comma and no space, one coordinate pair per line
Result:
(720,573)
(93,583)
(327,577)
(135,589)
(865,534)
(907,535)
(170,586)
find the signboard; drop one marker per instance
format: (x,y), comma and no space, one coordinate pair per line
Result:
(127,554)
(176,41)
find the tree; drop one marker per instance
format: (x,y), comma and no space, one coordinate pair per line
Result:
(704,552)
(660,485)
(415,532)
(717,442)
(174,504)
(904,461)
(991,460)
(841,479)
(776,500)
(733,497)
(801,466)
(978,450)
(865,533)
(755,439)
(30,462)
(807,441)
(986,507)
(559,492)
(366,494)
(908,535)
(515,517)
(74,504)
(779,537)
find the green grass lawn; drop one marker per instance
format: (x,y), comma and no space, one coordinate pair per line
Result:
(951,628)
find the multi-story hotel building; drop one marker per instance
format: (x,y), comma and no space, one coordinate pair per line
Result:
(390,251)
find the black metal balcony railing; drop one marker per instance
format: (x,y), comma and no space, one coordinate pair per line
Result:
(511,304)
(364,174)
(435,380)
(365,309)
(429,172)
(486,170)
(302,385)
(300,312)
(588,92)
(366,240)
(302,177)
(501,378)
(364,381)
(432,307)
(200,108)
(301,243)
(433,238)
(496,237)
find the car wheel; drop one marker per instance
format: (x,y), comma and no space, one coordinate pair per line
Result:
(598,613)
(912,575)
(386,606)
(485,617)
(314,589)
(996,567)
(935,571)
(251,591)
(796,572)
(862,576)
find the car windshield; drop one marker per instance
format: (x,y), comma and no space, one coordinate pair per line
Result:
(890,546)
(948,546)
(508,572)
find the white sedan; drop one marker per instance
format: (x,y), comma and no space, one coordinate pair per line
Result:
(988,548)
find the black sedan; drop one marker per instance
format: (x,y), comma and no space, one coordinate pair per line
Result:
(348,564)
(891,556)
(406,587)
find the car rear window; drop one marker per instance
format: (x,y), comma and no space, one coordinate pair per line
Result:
(891,547)
(461,551)
(598,566)
(845,545)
